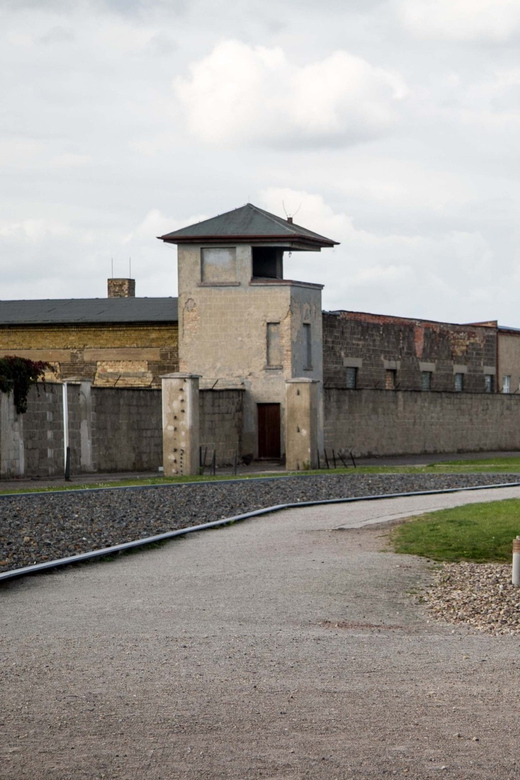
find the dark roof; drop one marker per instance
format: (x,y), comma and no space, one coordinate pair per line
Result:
(249,223)
(88,310)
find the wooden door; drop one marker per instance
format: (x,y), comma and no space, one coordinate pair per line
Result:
(269,431)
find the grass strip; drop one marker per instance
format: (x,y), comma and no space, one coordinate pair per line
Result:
(482,533)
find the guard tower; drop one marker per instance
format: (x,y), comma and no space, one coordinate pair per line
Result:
(241,324)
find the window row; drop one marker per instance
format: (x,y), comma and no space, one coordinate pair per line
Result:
(392,383)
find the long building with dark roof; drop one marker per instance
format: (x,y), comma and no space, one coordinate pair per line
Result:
(119,341)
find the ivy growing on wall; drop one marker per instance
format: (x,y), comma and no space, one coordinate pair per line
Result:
(17,375)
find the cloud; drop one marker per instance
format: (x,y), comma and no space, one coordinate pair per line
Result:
(252,94)
(462,20)
(415,276)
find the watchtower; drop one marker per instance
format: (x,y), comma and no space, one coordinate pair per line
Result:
(241,323)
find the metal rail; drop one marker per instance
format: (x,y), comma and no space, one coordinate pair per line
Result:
(119,548)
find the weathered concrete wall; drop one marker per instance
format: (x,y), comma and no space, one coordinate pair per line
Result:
(126,429)
(221,424)
(110,429)
(302,424)
(129,355)
(180,424)
(372,343)
(383,422)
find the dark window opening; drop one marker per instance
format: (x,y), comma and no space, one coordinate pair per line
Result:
(390,379)
(351,378)
(459,383)
(267,262)
(307,346)
(489,383)
(426,380)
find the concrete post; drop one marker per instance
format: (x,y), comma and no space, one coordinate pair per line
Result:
(85,417)
(515,579)
(180,415)
(301,424)
(12,456)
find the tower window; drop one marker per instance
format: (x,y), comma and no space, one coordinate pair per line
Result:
(274,347)
(218,265)
(459,383)
(307,347)
(267,262)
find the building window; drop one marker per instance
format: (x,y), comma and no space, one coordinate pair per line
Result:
(274,347)
(459,383)
(219,265)
(426,380)
(489,383)
(506,384)
(390,379)
(351,377)
(307,346)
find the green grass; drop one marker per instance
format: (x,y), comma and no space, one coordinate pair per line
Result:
(477,532)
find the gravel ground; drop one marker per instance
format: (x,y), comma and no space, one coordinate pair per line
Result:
(44,527)
(480,595)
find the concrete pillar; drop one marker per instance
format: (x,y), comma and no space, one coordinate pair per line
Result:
(180,415)
(301,423)
(12,456)
(85,422)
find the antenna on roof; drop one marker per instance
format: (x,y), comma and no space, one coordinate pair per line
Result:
(290,217)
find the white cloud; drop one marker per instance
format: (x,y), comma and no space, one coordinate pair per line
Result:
(241,94)
(462,20)
(423,276)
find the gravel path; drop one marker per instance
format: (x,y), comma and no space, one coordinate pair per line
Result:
(286,648)
(43,527)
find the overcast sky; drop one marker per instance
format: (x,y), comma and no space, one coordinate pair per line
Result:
(392,127)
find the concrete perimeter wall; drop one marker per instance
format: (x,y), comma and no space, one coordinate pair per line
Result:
(221,424)
(110,429)
(384,422)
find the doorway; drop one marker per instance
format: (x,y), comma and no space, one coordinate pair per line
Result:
(269,431)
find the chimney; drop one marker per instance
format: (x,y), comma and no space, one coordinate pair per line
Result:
(289,219)
(121,288)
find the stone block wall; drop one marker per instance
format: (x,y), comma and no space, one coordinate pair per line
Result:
(115,430)
(221,424)
(126,429)
(382,422)
(372,343)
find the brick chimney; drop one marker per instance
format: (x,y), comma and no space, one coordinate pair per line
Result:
(121,288)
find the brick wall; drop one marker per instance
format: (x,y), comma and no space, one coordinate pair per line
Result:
(373,343)
(133,355)
(221,424)
(382,422)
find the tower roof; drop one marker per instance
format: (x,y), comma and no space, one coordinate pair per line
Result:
(249,224)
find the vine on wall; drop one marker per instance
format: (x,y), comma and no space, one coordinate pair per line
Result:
(17,375)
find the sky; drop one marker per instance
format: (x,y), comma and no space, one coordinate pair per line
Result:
(391,126)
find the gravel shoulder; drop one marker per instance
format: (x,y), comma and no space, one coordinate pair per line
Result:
(43,527)
(289,646)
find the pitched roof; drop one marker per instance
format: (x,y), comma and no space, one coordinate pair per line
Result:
(251,224)
(69,311)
